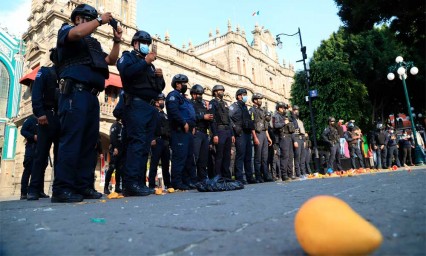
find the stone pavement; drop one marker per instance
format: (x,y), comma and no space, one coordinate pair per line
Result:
(258,220)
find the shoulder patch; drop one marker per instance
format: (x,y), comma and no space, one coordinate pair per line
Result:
(66,26)
(39,73)
(121,59)
(231,107)
(172,98)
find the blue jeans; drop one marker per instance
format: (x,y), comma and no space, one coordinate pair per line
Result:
(79,118)
(141,120)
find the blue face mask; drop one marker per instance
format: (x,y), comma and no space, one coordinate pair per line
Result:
(143,48)
(245,98)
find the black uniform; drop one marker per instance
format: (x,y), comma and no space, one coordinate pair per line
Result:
(380,140)
(161,151)
(116,142)
(260,151)
(274,155)
(393,149)
(223,129)
(308,154)
(299,152)
(29,131)
(354,149)
(284,131)
(242,125)
(201,139)
(44,98)
(331,136)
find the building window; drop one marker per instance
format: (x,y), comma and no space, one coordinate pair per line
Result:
(244,67)
(253,74)
(271,82)
(238,65)
(124,8)
(4,89)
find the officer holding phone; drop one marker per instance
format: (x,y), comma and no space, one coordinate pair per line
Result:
(82,70)
(142,83)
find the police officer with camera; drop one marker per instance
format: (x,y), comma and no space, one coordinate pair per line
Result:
(44,100)
(244,130)
(142,83)
(182,120)
(82,68)
(284,129)
(330,135)
(201,139)
(160,145)
(223,136)
(258,116)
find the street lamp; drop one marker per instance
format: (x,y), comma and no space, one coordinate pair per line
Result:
(401,68)
(308,83)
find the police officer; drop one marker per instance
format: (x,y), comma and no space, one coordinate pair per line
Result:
(258,116)
(298,143)
(273,151)
(243,129)
(115,152)
(380,142)
(118,113)
(160,145)
(82,68)
(182,120)
(29,131)
(201,139)
(223,136)
(284,129)
(44,99)
(330,135)
(308,153)
(393,148)
(142,83)
(352,136)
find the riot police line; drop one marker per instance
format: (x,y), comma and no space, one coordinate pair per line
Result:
(268,146)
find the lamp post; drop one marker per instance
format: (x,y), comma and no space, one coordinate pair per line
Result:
(308,83)
(401,68)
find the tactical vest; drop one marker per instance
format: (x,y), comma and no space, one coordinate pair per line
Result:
(381,138)
(333,135)
(144,81)
(164,130)
(91,55)
(244,122)
(200,109)
(222,113)
(187,111)
(258,116)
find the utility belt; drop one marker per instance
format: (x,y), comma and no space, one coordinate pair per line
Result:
(181,129)
(285,135)
(163,137)
(66,86)
(299,136)
(52,110)
(129,98)
(223,127)
(203,130)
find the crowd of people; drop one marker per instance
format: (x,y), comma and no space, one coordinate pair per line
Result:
(199,138)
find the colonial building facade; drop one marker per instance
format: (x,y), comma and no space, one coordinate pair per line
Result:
(225,58)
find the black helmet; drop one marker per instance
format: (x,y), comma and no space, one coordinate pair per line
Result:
(256,96)
(142,36)
(179,78)
(240,91)
(269,113)
(218,87)
(197,89)
(351,125)
(280,104)
(84,10)
(160,97)
(331,119)
(295,107)
(380,126)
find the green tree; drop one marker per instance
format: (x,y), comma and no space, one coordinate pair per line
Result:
(340,95)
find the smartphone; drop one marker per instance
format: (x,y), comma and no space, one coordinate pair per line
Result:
(154,48)
(113,23)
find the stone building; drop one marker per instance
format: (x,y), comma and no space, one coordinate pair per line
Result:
(226,59)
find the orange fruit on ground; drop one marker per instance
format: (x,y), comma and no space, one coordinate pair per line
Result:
(158,191)
(326,225)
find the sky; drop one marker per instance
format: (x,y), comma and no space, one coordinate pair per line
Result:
(193,20)
(187,20)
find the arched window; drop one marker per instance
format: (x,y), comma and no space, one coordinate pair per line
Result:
(238,65)
(271,82)
(244,67)
(4,89)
